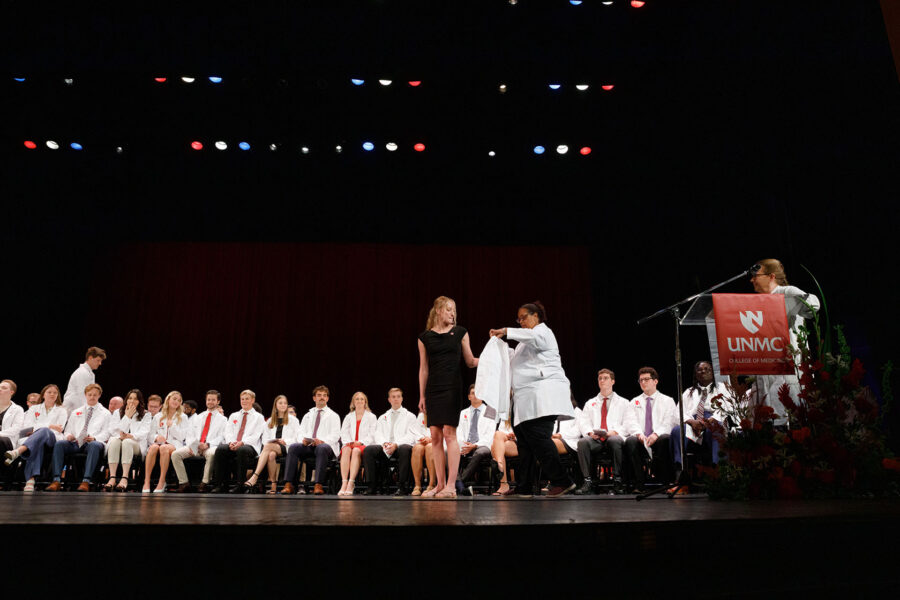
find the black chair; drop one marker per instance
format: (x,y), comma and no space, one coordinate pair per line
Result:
(331,478)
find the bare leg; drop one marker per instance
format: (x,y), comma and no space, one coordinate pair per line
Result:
(165,454)
(152,451)
(438,478)
(429,462)
(263,459)
(272,466)
(416,463)
(498,452)
(346,455)
(452,459)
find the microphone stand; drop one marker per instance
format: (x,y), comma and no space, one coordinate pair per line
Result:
(674,310)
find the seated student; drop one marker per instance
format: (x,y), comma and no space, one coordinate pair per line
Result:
(88,429)
(115,403)
(154,403)
(504,447)
(608,420)
(129,428)
(32,399)
(207,432)
(393,435)
(567,434)
(190,410)
(11,416)
(169,431)
(47,419)
(357,432)
(320,435)
(422,449)
(654,413)
(475,434)
(282,430)
(698,410)
(243,441)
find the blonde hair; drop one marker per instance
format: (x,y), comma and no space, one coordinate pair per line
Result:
(250,393)
(353,400)
(93,386)
(439,303)
(773,266)
(274,421)
(164,411)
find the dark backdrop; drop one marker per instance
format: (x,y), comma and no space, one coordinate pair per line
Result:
(736,131)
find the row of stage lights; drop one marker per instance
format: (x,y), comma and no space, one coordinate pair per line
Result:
(634,3)
(367,146)
(502,88)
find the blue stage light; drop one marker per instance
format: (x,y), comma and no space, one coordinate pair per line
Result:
(216,79)
(19,79)
(357,81)
(538,149)
(555,86)
(244,146)
(368,146)
(575,2)
(75,146)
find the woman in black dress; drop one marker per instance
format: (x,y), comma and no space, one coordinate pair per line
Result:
(441,346)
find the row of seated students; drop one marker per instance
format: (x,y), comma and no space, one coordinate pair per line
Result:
(239,451)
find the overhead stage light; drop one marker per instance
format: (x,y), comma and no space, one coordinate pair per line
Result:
(304,150)
(159,79)
(30,145)
(637,3)
(391,146)
(357,81)
(273,147)
(415,83)
(555,86)
(385,82)
(420,147)
(68,81)
(492,153)
(188,79)
(502,88)
(585,150)
(607,2)
(52,145)
(244,146)
(539,149)
(76,146)
(196,145)
(220,145)
(215,79)
(582,87)
(575,2)
(562,149)
(607,87)
(368,146)
(338,149)
(119,149)
(19,79)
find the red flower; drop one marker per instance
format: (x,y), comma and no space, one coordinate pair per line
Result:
(788,489)
(800,435)
(817,366)
(892,464)
(855,375)
(825,375)
(826,477)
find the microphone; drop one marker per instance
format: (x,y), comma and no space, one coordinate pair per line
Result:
(753,270)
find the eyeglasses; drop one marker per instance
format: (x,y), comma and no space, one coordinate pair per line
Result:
(520,319)
(643,379)
(755,275)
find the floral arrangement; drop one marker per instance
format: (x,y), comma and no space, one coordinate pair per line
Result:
(834,445)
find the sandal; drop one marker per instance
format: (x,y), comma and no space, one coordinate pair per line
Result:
(248,485)
(110,485)
(446,495)
(417,491)
(123,485)
(29,486)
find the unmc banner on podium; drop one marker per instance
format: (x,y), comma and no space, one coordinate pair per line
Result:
(752,334)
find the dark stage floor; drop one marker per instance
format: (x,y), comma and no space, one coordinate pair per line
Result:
(533,546)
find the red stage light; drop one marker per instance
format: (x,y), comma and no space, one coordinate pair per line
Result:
(196,145)
(637,3)
(607,87)
(585,151)
(30,145)
(159,79)
(420,147)
(415,83)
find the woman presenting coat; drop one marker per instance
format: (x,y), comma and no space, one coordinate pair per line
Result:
(540,391)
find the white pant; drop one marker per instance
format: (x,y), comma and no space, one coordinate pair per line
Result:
(767,387)
(127,449)
(178,462)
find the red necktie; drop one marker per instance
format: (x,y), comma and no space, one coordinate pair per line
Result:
(206,428)
(603,412)
(241,430)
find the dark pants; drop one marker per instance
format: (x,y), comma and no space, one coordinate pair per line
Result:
(64,448)
(375,460)
(36,442)
(475,460)
(298,452)
(708,447)
(588,448)
(662,459)
(534,440)
(227,459)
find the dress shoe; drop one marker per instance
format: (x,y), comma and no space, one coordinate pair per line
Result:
(586,488)
(678,491)
(401,491)
(521,493)
(53,487)
(372,490)
(557,490)
(288,489)
(238,489)
(318,490)
(84,486)
(301,490)
(219,489)
(183,488)
(203,488)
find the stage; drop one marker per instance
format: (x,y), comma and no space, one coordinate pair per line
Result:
(597,542)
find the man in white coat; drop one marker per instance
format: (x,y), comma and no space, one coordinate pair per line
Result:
(475,434)
(241,446)
(607,421)
(88,430)
(654,413)
(394,436)
(82,377)
(208,432)
(320,436)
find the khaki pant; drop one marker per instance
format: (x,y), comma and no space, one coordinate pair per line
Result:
(178,463)
(125,448)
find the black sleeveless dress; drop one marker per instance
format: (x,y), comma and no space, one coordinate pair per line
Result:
(444,388)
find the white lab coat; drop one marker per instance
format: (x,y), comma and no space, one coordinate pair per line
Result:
(486,426)
(139,428)
(215,435)
(539,383)
(366,428)
(492,379)
(329,428)
(403,428)
(38,417)
(177,434)
(290,433)
(619,416)
(98,428)
(74,397)
(253,429)
(13,419)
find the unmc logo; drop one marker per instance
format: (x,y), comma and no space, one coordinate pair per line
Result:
(751,320)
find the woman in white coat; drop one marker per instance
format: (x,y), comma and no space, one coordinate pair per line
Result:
(169,431)
(282,430)
(357,432)
(129,427)
(47,419)
(541,395)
